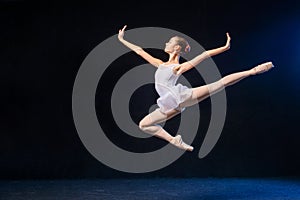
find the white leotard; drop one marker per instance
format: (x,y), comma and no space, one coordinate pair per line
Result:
(171,94)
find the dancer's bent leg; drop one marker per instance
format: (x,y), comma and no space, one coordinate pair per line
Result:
(149,125)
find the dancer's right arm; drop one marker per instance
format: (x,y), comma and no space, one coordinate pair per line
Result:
(138,50)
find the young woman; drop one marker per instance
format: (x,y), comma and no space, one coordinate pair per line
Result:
(175,97)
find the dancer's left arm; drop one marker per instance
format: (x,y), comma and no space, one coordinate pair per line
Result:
(198,59)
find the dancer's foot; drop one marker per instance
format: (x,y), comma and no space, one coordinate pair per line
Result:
(262,68)
(177,141)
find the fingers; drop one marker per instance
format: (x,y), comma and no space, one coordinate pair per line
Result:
(227,34)
(228,41)
(122,30)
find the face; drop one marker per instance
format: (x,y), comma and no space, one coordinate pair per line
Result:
(171,45)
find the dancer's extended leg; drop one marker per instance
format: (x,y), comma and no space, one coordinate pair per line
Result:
(202,92)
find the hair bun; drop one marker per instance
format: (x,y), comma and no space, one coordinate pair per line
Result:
(187,48)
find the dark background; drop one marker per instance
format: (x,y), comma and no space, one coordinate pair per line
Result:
(44,43)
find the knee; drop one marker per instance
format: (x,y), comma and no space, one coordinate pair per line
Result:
(145,122)
(221,82)
(226,82)
(145,127)
(141,125)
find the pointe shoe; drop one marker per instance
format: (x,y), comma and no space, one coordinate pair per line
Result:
(177,141)
(262,68)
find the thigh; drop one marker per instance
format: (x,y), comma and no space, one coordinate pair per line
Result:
(198,94)
(202,92)
(205,91)
(157,116)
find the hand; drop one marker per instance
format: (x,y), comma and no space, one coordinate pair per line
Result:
(121,33)
(227,46)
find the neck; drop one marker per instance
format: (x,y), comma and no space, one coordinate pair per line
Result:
(173,58)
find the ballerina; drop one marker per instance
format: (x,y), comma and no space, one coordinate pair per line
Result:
(174,98)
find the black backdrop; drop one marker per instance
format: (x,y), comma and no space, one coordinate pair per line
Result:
(44,43)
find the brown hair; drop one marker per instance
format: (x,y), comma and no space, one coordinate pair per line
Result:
(185,47)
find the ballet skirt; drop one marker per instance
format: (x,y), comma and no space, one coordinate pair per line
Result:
(170,93)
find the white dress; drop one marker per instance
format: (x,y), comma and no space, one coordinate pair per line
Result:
(171,94)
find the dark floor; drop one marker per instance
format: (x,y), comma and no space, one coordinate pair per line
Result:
(165,188)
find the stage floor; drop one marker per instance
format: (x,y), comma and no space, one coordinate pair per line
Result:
(159,188)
